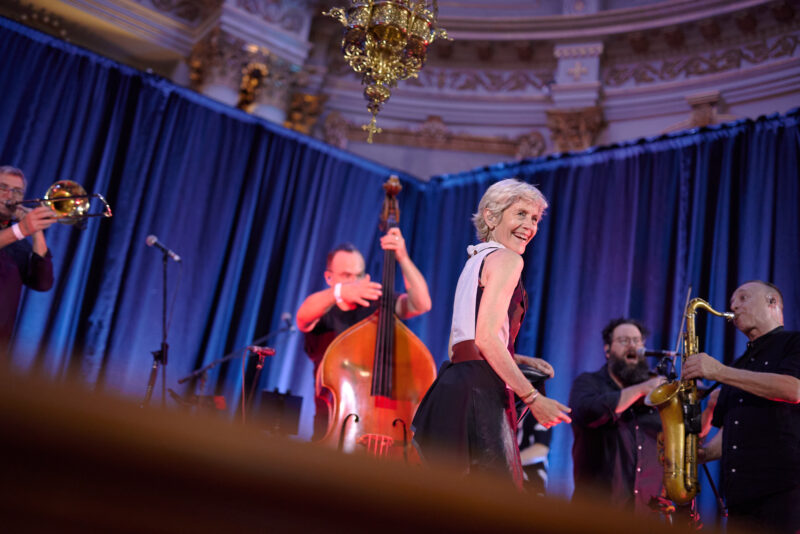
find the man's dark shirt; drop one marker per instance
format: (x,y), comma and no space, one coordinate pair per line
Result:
(614,455)
(334,322)
(761,437)
(19,265)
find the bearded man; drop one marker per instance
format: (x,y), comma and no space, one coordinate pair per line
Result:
(615,455)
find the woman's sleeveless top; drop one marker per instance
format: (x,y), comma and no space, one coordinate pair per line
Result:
(468,297)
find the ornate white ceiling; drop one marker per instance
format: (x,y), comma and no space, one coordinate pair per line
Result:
(507,81)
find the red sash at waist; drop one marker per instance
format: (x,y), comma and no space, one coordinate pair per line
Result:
(466,351)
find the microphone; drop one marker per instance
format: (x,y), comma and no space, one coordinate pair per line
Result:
(261,351)
(286,318)
(641,351)
(152,241)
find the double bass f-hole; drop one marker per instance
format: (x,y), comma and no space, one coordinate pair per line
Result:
(344,425)
(405,437)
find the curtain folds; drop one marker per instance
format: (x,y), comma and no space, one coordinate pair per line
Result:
(253,209)
(631,228)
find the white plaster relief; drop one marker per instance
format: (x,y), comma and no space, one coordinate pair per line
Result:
(703,64)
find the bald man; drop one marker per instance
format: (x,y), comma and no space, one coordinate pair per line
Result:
(758,414)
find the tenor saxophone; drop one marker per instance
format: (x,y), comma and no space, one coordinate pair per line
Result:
(679,407)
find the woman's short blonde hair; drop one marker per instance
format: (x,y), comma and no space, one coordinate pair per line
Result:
(499,197)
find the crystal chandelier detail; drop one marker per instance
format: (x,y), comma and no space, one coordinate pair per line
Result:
(386,41)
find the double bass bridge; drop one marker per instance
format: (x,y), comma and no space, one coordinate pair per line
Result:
(376,444)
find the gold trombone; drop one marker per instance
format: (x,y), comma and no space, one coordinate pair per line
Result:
(68,200)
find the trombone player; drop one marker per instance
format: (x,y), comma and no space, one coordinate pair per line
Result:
(21,261)
(758,414)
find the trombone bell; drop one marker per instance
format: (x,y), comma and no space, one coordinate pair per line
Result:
(68,199)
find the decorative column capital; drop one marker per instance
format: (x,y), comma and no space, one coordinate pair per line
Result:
(575,129)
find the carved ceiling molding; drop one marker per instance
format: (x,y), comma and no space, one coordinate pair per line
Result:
(468,55)
(192,11)
(481,81)
(573,130)
(702,64)
(592,25)
(435,79)
(433,134)
(258,75)
(706,36)
(582,50)
(471,81)
(290,15)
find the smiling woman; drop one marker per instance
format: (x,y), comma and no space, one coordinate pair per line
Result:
(518,224)
(467,418)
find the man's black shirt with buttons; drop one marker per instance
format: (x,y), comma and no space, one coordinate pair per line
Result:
(761,437)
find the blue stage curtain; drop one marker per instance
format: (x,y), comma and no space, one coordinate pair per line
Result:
(629,229)
(253,210)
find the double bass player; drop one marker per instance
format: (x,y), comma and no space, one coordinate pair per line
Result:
(350,297)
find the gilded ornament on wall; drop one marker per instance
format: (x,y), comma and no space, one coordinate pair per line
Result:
(253,72)
(304,111)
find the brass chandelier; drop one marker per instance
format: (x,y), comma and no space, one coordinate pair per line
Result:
(386,41)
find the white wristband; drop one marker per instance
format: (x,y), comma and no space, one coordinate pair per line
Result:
(337,293)
(17,232)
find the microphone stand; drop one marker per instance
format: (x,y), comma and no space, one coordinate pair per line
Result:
(160,356)
(262,353)
(233,354)
(236,352)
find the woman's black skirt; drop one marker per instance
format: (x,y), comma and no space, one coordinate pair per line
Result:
(467,419)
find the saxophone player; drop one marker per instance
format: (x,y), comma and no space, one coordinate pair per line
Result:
(615,454)
(758,414)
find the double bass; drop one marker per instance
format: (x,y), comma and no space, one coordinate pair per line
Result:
(377,371)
